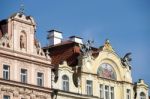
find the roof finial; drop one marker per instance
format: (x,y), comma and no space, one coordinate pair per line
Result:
(22,7)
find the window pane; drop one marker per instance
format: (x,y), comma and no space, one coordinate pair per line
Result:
(89,87)
(128,94)
(65,83)
(142,95)
(112,92)
(40,79)
(106,92)
(101,92)
(6,72)
(23,75)
(6,97)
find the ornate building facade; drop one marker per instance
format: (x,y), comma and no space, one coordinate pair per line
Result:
(66,69)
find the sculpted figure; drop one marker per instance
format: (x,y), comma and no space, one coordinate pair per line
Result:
(126,59)
(86,48)
(22,45)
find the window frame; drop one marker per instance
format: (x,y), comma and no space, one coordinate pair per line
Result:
(106,91)
(6,96)
(107,94)
(128,94)
(40,79)
(101,91)
(65,83)
(6,73)
(23,76)
(142,95)
(89,87)
(112,94)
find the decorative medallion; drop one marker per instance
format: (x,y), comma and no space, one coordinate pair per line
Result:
(106,71)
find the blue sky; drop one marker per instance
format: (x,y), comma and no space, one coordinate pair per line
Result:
(126,23)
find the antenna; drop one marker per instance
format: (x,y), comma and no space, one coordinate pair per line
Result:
(21,7)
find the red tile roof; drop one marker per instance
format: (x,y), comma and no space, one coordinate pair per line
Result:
(67,51)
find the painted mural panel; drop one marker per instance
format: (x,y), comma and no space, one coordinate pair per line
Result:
(105,70)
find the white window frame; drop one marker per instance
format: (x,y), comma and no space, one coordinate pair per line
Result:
(107,92)
(40,79)
(89,87)
(128,94)
(6,72)
(23,76)
(101,91)
(112,95)
(65,83)
(142,95)
(107,95)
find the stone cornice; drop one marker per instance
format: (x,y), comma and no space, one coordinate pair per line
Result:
(22,85)
(15,55)
(29,23)
(75,95)
(95,75)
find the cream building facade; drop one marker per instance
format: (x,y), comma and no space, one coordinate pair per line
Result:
(64,69)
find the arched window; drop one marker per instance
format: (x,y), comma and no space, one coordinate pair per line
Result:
(142,95)
(65,83)
(23,40)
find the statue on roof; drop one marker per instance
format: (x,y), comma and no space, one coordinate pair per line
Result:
(86,48)
(107,46)
(126,60)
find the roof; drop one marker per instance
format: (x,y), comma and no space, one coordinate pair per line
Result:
(67,51)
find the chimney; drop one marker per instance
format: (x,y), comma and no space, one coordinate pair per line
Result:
(76,39)
(54,37)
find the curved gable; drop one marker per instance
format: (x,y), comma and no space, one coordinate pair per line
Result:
(114,61)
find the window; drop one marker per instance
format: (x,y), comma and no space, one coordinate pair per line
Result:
(101,92)
(23,75)
(6,72)
(142,95)
(40,79)
(106,92)
(89,87)
(128,94)
(65,83)
(112,92)
(6,97)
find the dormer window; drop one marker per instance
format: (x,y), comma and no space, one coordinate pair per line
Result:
(65,83)
(142,95)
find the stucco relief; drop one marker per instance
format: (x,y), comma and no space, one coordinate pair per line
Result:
(23,92)
(5,41)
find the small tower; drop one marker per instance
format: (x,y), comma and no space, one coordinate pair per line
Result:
(21,31)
